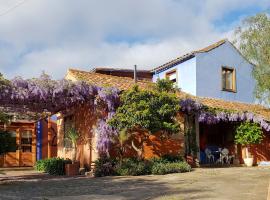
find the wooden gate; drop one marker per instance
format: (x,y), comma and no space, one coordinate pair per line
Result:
(24,152)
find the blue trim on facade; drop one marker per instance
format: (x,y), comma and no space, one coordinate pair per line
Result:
(39,140)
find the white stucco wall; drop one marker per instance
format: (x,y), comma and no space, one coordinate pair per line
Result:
(209,74)
(186,75)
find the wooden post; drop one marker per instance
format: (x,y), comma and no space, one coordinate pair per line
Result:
(49,138)
(197,128)
(18,151)
(34,145)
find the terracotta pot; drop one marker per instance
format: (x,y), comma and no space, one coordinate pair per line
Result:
(248,162)
(72,169)
(191,161)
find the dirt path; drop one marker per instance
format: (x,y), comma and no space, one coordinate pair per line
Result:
(225,183)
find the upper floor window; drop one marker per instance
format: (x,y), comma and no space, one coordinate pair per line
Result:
(228,79)
(172,76)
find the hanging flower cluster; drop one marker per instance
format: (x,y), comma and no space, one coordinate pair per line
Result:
(190,106)
(46,95)
(213,117)
(43,94)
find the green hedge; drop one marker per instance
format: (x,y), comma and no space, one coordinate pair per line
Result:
(167,168)
(52,166)
(135,167)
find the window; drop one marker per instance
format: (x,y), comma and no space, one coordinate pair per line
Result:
(68,124)
(172,76)
(228,79)
(26,141)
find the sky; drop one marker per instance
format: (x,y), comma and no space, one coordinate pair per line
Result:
(54,35)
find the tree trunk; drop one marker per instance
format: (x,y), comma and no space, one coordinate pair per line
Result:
(138,150)
(74,153)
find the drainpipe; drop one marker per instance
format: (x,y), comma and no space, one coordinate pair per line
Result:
(135,74)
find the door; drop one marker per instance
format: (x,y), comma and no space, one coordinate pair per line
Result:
(22,151)
(26,147)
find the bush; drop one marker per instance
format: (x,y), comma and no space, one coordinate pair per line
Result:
(167,159)
(160,168)
(52,166)
(133,167)
(104,167)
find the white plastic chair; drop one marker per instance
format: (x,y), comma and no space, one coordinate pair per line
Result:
(209,156)
(224,155)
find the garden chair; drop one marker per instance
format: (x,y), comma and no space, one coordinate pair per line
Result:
(224,155)
(209,156)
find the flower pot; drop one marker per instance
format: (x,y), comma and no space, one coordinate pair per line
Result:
(72,169)
(191,161)
(248,162)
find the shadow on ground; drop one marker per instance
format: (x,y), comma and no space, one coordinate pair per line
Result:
(96,188)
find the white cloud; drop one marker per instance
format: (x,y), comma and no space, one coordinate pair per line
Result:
(54,35)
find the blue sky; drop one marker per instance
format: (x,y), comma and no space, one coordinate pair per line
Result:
(53,36)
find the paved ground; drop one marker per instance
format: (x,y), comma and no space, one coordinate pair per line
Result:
(220,183)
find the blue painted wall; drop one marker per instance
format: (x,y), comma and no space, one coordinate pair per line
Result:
(186,76)
(39,140)
(201,75)
(209,78)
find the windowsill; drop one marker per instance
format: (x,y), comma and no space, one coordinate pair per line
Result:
(228,90)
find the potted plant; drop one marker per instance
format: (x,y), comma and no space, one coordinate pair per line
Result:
(73,168)
(246,134)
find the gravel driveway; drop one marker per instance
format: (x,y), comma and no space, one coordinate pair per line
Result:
(219,183)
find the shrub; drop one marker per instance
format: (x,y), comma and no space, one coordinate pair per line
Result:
(133,167)
(52,166)
(104,167)
(160,168)
(167,159)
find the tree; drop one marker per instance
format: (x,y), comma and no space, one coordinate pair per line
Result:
(148,111)
(248,133)
(73,136)
(254,42)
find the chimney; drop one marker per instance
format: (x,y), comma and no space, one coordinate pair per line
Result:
(135,73)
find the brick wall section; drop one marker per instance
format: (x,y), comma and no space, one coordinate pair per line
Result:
(85,122)
(45,139)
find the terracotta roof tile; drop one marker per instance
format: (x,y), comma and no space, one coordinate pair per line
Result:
(229,105)
(124,83)
(237,106)
(104,80)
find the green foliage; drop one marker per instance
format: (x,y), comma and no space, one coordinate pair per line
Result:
(160,168)
(133,167)
(104,166)
(254,41)
(248,133)
(52,166)
(73,136)
(5,118)
(7,143)
(152,110)
(165,85)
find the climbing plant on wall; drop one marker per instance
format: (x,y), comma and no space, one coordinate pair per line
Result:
(149,111)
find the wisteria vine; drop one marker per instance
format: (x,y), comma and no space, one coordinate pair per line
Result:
(191,106)
(42,95)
